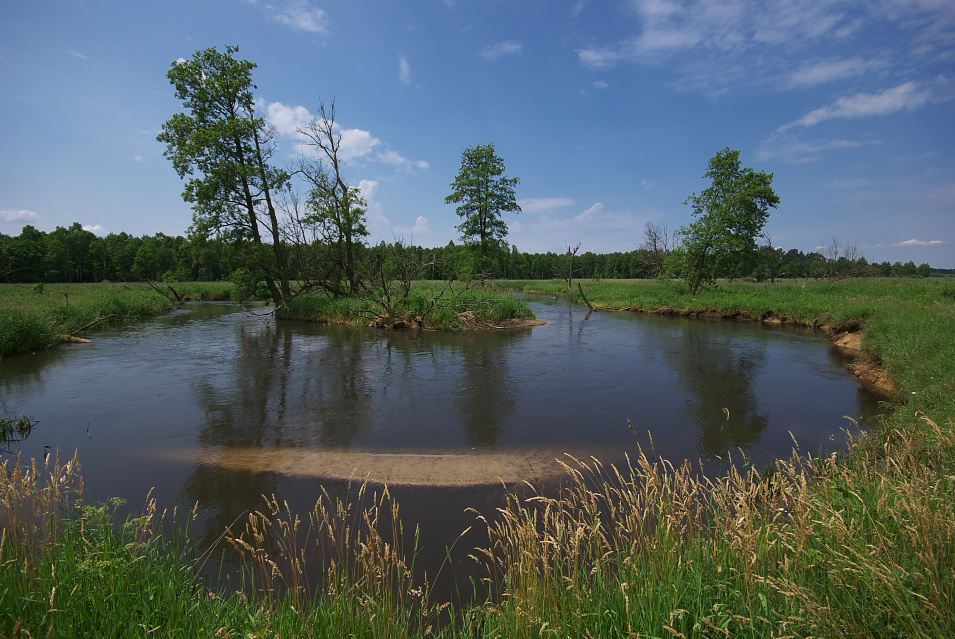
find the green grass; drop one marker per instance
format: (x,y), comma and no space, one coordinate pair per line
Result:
(857,544)
(431,305)
(35,317)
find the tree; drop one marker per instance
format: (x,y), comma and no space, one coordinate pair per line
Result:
(483,193)
(658,241)
(224,140)
(335,210)
(730,216)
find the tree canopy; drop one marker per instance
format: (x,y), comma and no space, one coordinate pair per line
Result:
(221,138)
(483,193)
(730,215)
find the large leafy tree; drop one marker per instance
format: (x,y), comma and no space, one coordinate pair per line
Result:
(483,193)
(730,215)
(225,146)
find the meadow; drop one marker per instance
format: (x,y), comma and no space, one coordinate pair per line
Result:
(857,543)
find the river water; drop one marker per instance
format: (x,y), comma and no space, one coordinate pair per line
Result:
(203,403)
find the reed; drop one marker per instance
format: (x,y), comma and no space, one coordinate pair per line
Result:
(857,547)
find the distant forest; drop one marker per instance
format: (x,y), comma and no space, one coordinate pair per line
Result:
(76,255)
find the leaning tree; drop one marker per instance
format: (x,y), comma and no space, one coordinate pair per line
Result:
(224,146)
(730,215)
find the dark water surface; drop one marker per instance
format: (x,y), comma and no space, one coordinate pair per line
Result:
(143,402)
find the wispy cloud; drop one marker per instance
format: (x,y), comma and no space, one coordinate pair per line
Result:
(76,54)
(300,15)
(404,70)
(541,204)
(792,150)
(919,243)
(905,97)
(829,71)
(501,49)
(95,229)
(716,46)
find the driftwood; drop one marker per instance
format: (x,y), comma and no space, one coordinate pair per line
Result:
(579,288)
(73,339)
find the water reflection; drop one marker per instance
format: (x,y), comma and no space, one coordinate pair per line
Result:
(718,373)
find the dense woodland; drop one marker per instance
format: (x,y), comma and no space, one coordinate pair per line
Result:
(74,255)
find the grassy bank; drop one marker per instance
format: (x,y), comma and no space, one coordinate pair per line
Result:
(857,544)
(35,317)
(432,305)
(907,325)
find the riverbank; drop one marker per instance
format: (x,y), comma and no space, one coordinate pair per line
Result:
(35,317)
(857,544)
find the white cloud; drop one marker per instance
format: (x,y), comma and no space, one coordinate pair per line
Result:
(95,229)
(395,159)
(138,158)
(600,84)
(536,205)
(905,97)
(78,55)
(648,185)
(404,70)
(300,15)
(919,243)
(501,49)
(378,224)
(356,143)
(420,228)
(590,213)
(286,119)
(21,215)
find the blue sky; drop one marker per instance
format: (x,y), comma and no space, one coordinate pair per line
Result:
(607,111)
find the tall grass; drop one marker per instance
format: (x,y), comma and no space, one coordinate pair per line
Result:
(860,547)
(37,317)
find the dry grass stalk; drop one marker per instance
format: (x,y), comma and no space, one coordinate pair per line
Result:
(360,545)
(865,541)
(33,502)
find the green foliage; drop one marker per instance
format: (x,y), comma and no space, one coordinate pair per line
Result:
(483,193)
(431,305)
(730,215)
(221,138)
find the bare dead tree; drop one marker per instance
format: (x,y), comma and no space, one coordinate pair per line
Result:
(843,260)
(571,254)
(335,209)
(658,241)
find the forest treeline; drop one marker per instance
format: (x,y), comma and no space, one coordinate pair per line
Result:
(74,255)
